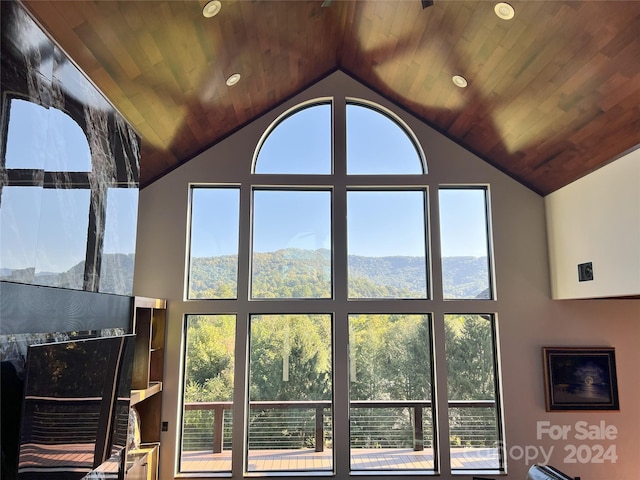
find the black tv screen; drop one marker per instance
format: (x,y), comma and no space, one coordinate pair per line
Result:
(76,406)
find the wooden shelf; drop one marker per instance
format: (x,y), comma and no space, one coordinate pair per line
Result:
(148,323)
(138,396)
(147,302)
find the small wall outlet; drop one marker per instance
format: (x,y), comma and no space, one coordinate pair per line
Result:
(585,272)
(165,426)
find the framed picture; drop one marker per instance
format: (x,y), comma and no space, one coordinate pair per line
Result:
(580,378)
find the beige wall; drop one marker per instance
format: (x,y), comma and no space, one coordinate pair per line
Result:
(597,219)
(527,317)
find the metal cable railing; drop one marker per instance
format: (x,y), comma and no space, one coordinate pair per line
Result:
(308,424)
(388,428)
(473,427)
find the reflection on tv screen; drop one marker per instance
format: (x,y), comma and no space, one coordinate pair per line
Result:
(75,407)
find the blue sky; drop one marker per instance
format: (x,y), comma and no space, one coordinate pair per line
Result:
(463,222)
(386,223)
(379,223)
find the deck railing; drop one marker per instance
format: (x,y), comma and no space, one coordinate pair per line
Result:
(307,424)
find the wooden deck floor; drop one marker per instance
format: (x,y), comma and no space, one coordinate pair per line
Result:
(361,459)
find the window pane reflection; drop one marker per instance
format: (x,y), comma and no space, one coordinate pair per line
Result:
(42,138)
(64,223)
(116,268)
(27,135)
(19,227)
(68,145)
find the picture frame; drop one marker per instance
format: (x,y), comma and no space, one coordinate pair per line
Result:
(580,378)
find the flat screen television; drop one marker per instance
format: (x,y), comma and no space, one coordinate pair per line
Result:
(75,408)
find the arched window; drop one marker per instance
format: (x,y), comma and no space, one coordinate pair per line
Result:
(298,143)
(378,144)
(324,256)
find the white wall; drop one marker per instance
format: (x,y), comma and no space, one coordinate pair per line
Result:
(597,219)
(527,317)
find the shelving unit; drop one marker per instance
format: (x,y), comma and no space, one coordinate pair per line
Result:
(149,323)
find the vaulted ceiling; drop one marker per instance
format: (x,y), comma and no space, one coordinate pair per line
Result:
(552,94)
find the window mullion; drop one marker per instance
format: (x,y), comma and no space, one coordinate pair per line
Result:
(243,310)
(341,327)
(440,395)
(339,147)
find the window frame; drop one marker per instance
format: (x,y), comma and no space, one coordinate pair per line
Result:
(492,318)
(488,232)
(401,124)
(340,305)
(427,234)
(292,188)
(189,237)
(283,117)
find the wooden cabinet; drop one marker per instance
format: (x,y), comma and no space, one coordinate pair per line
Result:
(149,323)
(142,464)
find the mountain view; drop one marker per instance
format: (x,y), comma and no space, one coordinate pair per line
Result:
(116,275)
(288,273)
(297,273)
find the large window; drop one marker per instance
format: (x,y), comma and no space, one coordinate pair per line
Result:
(391,410)
(321,265)
(208,391)
(464,241)
(472,388)
(386,244)
(213,260)
(292,260)
(290,391)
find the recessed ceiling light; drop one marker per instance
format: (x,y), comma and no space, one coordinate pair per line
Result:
(504,11)
(212,8)
(233,79)
(459,81)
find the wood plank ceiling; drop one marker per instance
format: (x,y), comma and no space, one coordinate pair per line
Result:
(553,93)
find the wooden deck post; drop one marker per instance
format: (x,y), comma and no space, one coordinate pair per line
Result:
(218,422)
(418,433)
(319,428)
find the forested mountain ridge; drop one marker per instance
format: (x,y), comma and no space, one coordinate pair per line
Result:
(290,273)
(116,275)
(291,357)
(297,273)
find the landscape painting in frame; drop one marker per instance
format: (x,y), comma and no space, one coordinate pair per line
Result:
(579,378)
